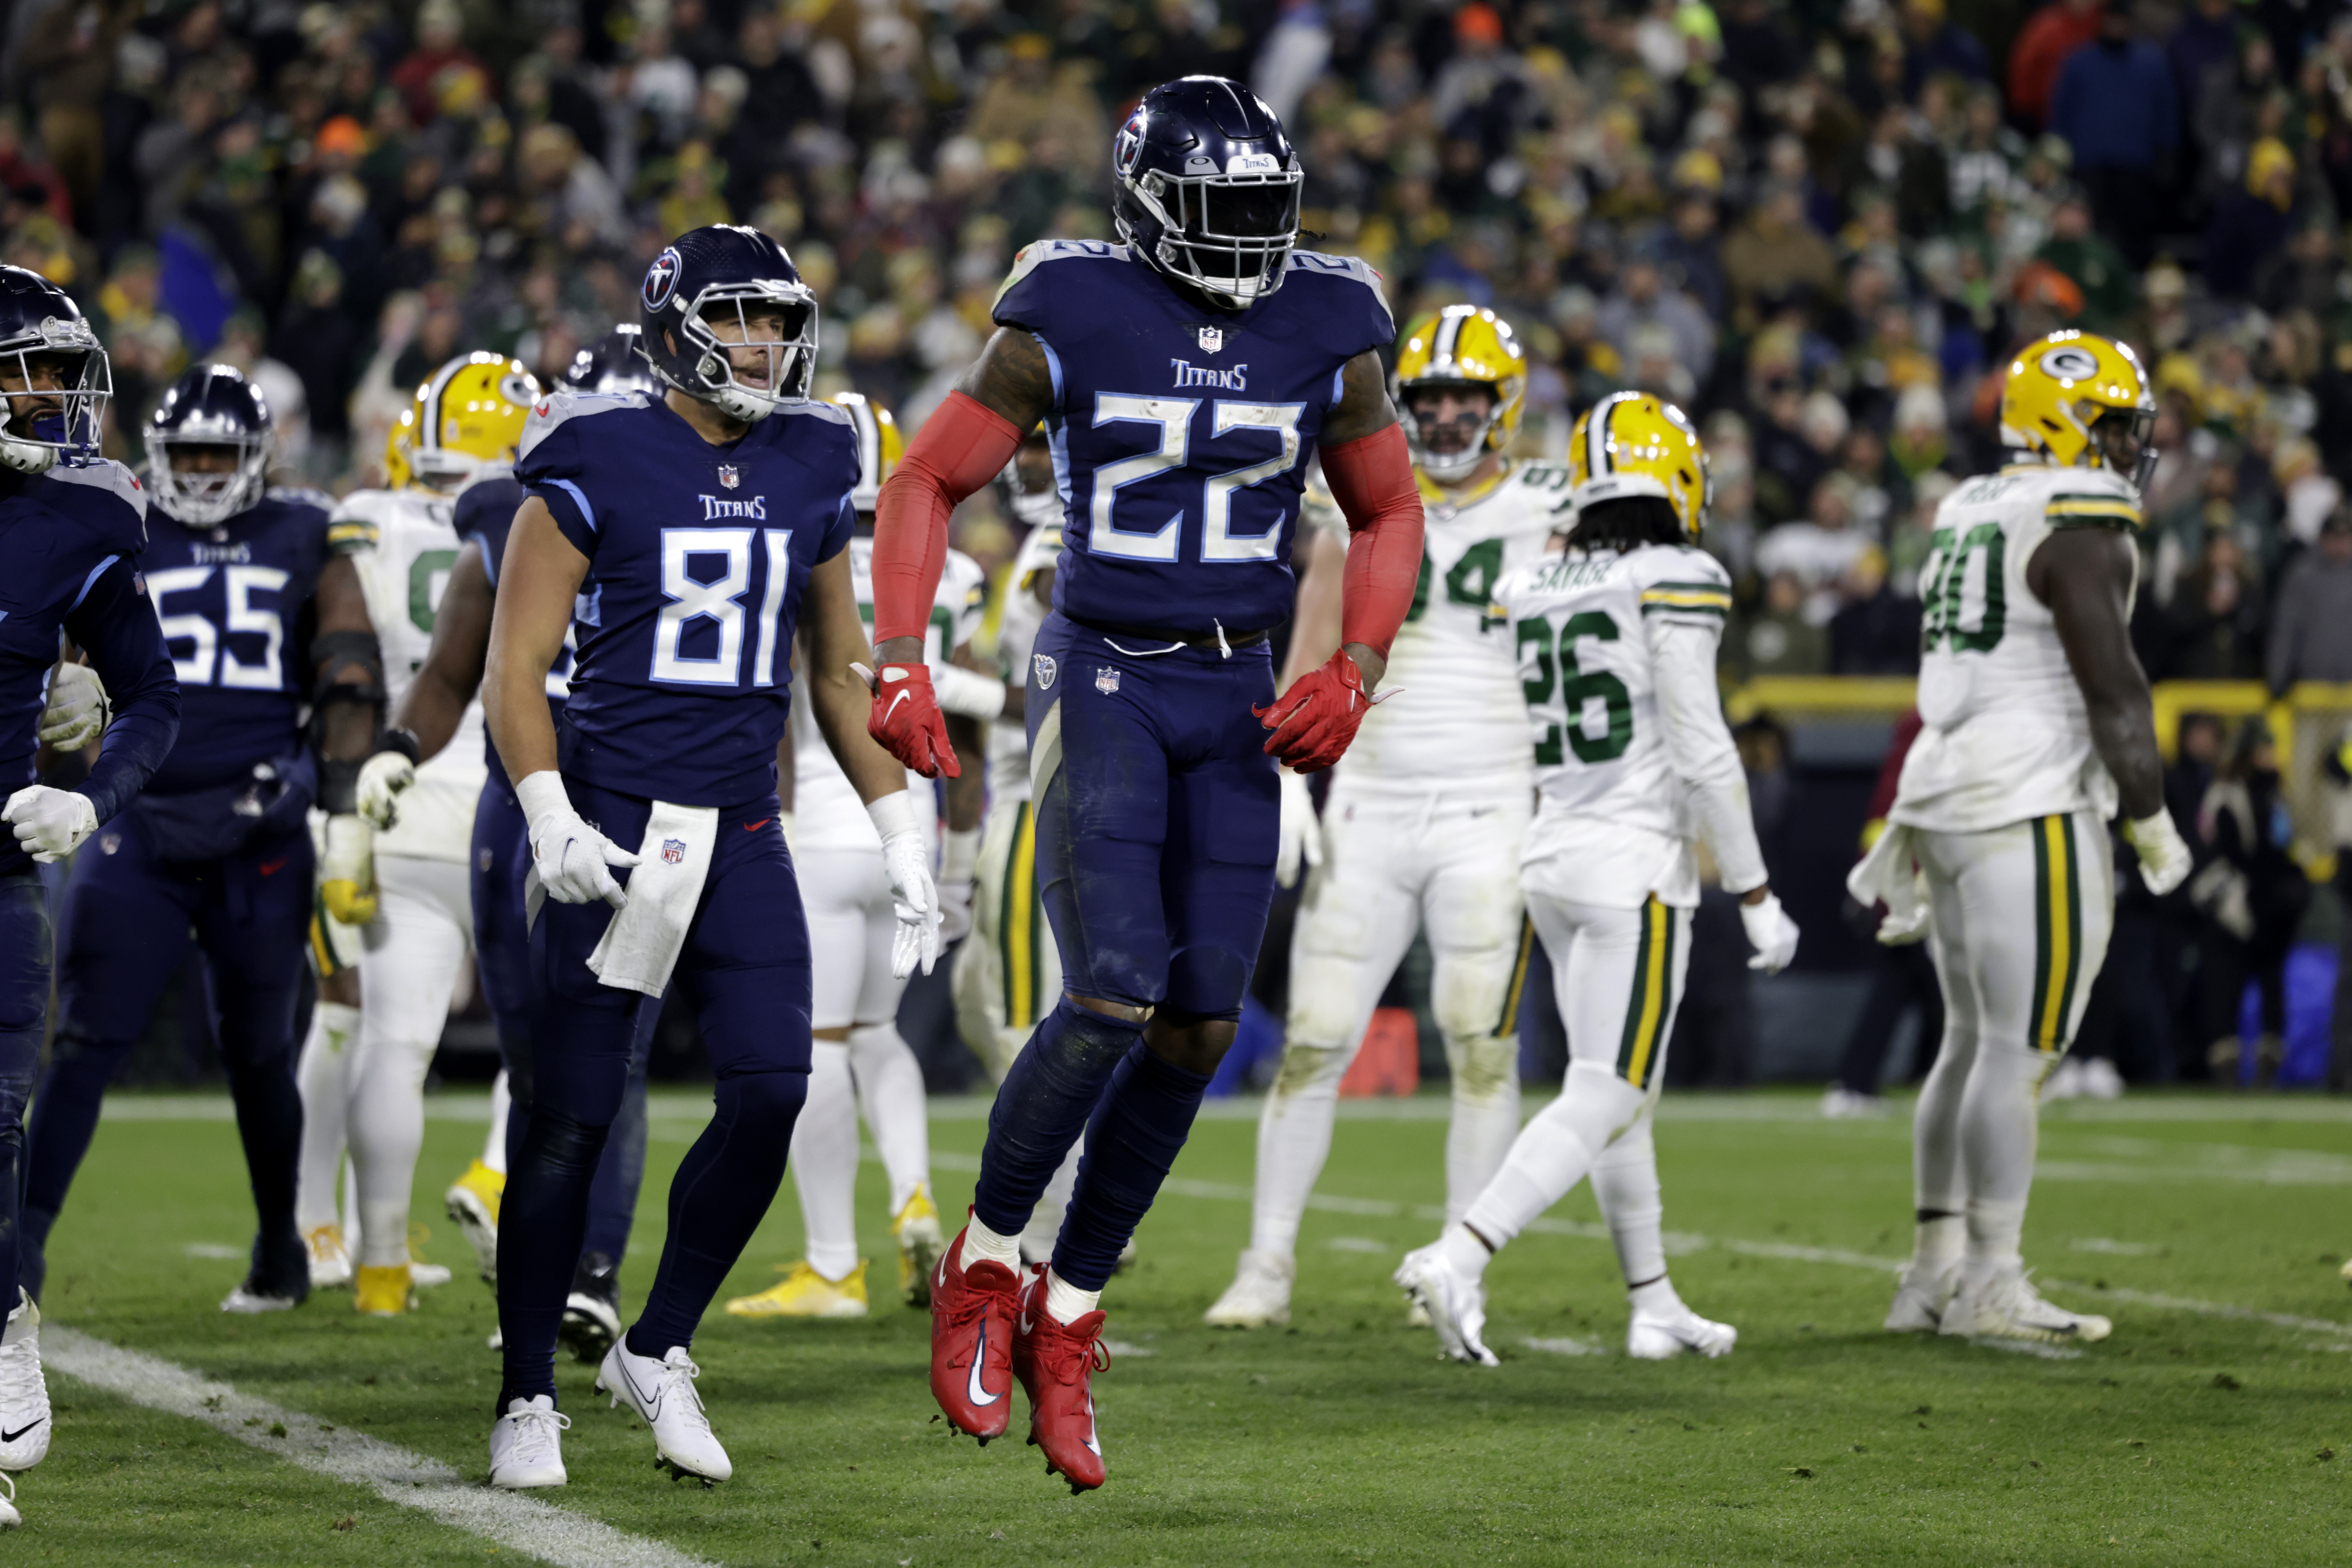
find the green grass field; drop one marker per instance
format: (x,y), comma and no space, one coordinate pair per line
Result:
(2205,1430)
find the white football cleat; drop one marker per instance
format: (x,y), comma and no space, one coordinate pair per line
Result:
(1259,1295)
(2065,1083)
(1456,1307)
(250,1298)
(1842,1104)
(330,1259)
(1921,1296)
(9,1517)
(527,1444)
(1662,1335)
(2101,1081)
(2004,1305)
(425,1276)
(24,1394)
(662,1394)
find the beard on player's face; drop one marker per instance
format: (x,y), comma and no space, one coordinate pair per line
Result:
(1449,419)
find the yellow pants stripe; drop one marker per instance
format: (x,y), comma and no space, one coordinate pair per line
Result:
(1019,923)
(1653,997)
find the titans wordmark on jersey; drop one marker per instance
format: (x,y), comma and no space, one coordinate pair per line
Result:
(698,555)
(1181,436)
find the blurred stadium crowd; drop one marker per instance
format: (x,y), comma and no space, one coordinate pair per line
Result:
(1819,224)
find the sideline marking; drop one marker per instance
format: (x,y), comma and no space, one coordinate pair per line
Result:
(395,1474)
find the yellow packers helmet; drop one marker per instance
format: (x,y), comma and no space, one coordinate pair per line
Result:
(465,421)
(1462,345)
(2081,401)
(879,448)
(1631,443)
(396,443)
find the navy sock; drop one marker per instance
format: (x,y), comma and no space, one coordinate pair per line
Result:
(720,1194)
(1044,1105)
(613,1197)
(1136,1133)
(270,1123)
(541,1219)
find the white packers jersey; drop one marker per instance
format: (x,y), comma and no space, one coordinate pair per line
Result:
(1016,639)
(826,811)
(1457,722)
(2007,736)
(405,545)
(1612,816)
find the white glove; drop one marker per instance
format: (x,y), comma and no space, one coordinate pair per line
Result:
(968,692)
(570,855)
(2164,857)
(915,901)
(50,822)
(347,870)
(381,778)
(1770,932)
(959,859)
(77,713)
(1302,831)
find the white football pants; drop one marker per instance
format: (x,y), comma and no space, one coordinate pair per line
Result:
(1393,866)
(846,895)
(1618,974)
(323,1074)
(2021,919)
(416,948)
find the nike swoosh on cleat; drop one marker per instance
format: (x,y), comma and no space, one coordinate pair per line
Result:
(271,868)
(972,1389)
(12,1437)
(755,826)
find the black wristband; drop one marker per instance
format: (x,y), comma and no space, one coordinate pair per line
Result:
(393,738)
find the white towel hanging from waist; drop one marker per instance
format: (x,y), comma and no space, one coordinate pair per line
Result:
(641,945)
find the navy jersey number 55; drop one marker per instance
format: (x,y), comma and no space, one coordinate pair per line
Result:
(1180,437)
(698,556)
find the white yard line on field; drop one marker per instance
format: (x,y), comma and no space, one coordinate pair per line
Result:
(409,1479)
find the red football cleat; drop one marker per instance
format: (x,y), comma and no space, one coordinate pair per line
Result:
(1055,1363)
(971,1343)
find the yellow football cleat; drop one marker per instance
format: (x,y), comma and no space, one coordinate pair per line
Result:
(806,1293)
(920,1242)
(383,1292)
(330,1260)
(473,1203)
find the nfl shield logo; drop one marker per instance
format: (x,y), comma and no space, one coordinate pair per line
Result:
(1105,679)
(673,851)
(1212,339)
(729,478)
(1047,670)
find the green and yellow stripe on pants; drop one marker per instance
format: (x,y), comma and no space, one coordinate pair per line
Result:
(2057,932)
(1652,1004)
(1021,924)
(1514,993)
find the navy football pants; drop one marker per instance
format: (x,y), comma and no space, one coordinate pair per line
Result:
(502,957)
(1157,814)
(127,926)
(23,1017)
(745,971)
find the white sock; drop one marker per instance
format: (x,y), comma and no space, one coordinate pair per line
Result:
(386,1122)
(1938,1179)
(890,1091)
(494,1147)
(823,1162)
(1555,1151)
(1045,1227)
(321,1076)
(1996,1235)
(1937,1244)
(1463,1250)
(1625,1184)
(1485,1073)
(982,1245)
(1655,1298)
(1065,1302)
(1294,1140)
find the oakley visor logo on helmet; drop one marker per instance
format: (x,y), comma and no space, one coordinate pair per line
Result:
(661,280)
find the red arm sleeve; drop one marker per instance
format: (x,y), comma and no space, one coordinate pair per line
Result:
(1372,479)
(960,449)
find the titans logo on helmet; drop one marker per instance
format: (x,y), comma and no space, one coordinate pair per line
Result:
(661,277)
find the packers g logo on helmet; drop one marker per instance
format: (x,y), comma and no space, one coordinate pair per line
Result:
(879,448)
(2062,385)
(1462,345)
(464,421)
(1631,443)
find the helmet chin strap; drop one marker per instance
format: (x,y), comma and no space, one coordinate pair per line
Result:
(24,457)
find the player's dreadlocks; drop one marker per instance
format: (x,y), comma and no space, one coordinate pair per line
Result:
(1626,524)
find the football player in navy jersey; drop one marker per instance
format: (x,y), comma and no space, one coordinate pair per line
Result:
(424,721)
(680,538)
(1183,377)
(71,527)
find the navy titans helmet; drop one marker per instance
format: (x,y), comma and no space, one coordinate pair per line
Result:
(709,281)
(212,406)
(44,336)
(1208,188)
(611,364)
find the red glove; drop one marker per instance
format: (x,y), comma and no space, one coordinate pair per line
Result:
(1314,720)
(906,721)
